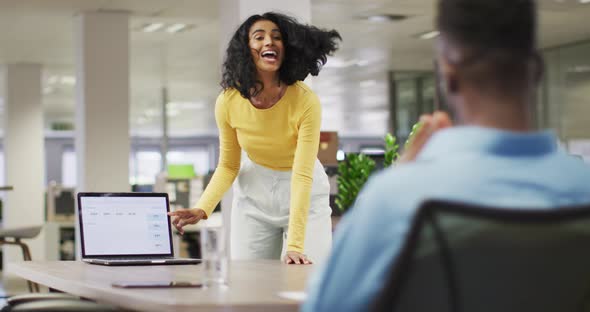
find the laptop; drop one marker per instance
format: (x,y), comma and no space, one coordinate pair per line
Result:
(126,229)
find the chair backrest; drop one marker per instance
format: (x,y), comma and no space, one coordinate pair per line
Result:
(465,258)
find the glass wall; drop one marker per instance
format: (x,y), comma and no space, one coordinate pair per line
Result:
(198,157)
(565,104)
(563,100)
(414,94)
(68,168)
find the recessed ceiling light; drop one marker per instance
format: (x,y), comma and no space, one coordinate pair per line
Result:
(584,1)
(151,27)
(381,18)
(429,35)
(174,28)
(164,27)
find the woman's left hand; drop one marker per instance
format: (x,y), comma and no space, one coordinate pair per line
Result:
(293,257)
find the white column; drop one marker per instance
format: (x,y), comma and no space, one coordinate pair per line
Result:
(24,155)
(102,103)
(233,14)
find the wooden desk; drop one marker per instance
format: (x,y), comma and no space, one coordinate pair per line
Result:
(253,285)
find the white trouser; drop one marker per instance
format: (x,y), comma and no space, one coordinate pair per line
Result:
(260,214)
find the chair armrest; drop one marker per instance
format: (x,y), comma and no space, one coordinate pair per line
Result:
(63,306)
(25,298)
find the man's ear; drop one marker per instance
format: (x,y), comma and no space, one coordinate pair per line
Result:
(538,65)
(450,76)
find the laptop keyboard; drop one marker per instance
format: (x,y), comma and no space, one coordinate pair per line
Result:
(135,258)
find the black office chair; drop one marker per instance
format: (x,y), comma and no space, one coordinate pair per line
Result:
(53,302)
(465,258)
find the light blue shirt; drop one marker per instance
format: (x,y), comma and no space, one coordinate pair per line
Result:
(468,164)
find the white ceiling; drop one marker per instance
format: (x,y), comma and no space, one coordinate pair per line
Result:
(354,98)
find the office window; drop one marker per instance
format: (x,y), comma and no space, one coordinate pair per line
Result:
(198,157)
(564,104)
(415,94)
(2,173)
(69,168)
(2,177)
(144,165)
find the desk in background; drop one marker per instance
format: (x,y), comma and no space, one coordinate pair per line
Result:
(254,285)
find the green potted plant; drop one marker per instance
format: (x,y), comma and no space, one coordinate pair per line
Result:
(354,172)
(352,175)
(391,150)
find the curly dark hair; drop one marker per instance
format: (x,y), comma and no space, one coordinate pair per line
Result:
(306,50)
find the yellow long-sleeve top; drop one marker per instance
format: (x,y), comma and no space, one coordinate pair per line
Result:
(283,137)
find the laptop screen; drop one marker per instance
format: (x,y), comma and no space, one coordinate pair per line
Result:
(124,224)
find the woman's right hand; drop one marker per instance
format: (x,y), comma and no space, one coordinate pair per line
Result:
(183,217)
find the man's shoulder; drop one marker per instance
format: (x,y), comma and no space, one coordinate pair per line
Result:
(570,173)
(572,164)
(405,176)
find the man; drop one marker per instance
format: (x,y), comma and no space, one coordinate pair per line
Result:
(488,67)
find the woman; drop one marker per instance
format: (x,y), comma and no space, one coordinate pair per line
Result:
(282,191)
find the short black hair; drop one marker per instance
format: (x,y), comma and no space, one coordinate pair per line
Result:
(499,34)
(306,51)
(490,24)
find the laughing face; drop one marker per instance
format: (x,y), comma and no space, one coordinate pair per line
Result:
(266,46)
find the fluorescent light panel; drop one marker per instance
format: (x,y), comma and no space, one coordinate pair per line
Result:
(429,35)
(174,28)
(165,27)
(378,18)
(152,27)
(382,18)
